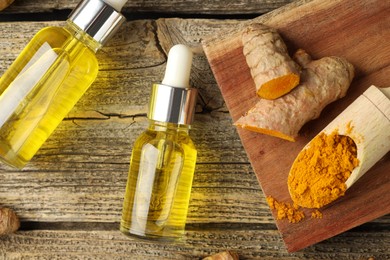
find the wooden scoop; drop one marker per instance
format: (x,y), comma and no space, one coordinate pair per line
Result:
(367,122)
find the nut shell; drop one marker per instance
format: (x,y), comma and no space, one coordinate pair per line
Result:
(9,222)
(5,3)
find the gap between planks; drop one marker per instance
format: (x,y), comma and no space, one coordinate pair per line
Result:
(370,227)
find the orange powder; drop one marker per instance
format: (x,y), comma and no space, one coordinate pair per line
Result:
(286,210)
(316,214)
(318,175)
(289,211)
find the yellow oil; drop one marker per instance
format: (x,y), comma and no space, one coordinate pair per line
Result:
(159,183)
(41,87)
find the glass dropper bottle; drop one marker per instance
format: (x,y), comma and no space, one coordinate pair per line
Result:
(50,75)
(163,159)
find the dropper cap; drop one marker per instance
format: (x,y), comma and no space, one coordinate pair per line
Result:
(99,19)
(116,4)
(174,100)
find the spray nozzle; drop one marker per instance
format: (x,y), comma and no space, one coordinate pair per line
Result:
(116,4)
(177,72)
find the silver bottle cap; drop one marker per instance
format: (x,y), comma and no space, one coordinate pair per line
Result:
(97,19)
(172,104)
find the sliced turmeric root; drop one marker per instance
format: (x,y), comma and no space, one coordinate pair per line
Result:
(277,87)
(264,130)
(323,81)
(272,69)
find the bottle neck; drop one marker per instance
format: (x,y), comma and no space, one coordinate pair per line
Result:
(82,36)
(171,127)
(172,104)
(97,19)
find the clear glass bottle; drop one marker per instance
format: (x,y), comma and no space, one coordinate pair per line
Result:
(48,78)
(163,160)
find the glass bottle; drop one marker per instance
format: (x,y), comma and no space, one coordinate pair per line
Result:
(49,76)
(163,159)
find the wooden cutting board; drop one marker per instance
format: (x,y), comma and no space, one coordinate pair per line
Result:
(355,29)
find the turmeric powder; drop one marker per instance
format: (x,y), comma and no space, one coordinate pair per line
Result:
(290,211)
(318,175)
(316,214)
(286,210)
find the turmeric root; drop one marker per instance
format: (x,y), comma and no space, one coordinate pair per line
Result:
(5,3)
(272,69)
(9,222)
(227,255)
(322,82)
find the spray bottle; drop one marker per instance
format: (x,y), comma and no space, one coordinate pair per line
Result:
(163,159)
(50,75)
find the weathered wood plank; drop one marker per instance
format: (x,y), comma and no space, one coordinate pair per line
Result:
(133,47)
(130,63)
(166,6)
(249,244)
(93,192)
(79,175)
(81,171)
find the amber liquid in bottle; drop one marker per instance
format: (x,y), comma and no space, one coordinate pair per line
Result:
(159,183)
(41,87)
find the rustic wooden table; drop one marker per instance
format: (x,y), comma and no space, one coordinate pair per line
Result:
(69,197)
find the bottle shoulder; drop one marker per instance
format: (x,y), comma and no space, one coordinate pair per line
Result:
(52,50)
(53,35)
(61,38)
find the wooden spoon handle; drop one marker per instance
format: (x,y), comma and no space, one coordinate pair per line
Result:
(367,122)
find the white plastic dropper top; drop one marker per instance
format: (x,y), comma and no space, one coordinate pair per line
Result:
(178,69)
(116,4)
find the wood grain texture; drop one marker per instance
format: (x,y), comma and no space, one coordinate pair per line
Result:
(86,159)
(75,184)
(356,30)
(165,6)
(249,244)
